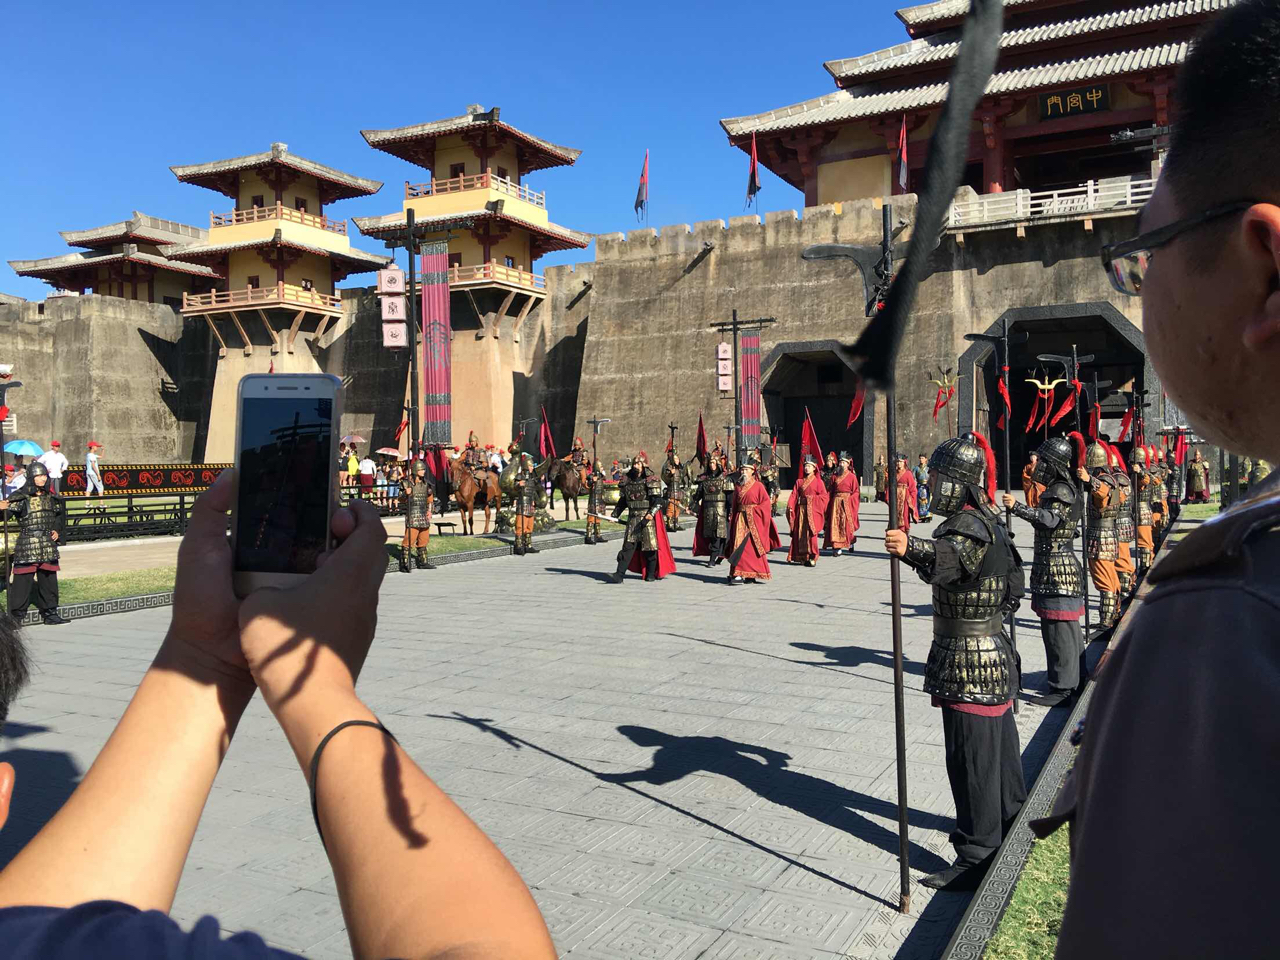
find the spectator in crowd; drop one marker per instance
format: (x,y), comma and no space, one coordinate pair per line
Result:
(495,459)
(394,475)
(56,464)
(344,472)
(415,876)
(353,466)
(92,477)
(1174,809)
(367,472)
(13,480)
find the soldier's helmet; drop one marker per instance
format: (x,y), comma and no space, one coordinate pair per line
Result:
(1139,455)
(36,469)
(1056,455)
(959,463)
(598,467)
(419,468)
(1095,456)
(844,457)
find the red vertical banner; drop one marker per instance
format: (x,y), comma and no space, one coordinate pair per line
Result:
(437,383)
(749,354)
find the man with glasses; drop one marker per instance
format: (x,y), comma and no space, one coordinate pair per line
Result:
(1173,839)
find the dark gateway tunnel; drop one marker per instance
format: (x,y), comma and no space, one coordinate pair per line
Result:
(1119,355)
(810,374)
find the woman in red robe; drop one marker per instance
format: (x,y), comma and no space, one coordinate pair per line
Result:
(906,496)
(842,512)
(752,533)
(806,511)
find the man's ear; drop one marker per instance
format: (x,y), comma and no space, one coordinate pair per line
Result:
(7,778)
(1261,224)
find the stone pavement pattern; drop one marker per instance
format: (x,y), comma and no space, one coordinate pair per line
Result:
(678,770)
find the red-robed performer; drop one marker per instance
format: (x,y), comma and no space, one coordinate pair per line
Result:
(806,514)
(842,511)
(752,533)
(906,495)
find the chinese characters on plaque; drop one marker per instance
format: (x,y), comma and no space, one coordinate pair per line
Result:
(391,293)
(724,367)
(1068,103)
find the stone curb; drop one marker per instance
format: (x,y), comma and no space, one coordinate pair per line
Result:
(982,917)
(100,608)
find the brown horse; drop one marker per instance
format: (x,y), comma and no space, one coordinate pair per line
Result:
(566,478)
(467,491)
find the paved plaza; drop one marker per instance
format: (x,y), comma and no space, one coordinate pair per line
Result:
(678,770)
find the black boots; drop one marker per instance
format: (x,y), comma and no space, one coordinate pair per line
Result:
(528,544)
(423,562)
(53,619)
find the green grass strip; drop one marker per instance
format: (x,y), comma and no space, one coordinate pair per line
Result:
(1029,928)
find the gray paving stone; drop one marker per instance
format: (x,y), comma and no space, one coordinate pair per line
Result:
(792,848)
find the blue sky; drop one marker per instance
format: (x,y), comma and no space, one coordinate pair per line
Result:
(98,100)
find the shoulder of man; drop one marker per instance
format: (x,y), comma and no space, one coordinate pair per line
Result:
(1059,490)
(966,523)
(1236,543)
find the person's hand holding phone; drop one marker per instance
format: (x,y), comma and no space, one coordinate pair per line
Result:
(305,645)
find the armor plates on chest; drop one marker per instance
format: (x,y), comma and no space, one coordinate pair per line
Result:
(1055,571)
(1144,510)
(969,669)
(34,543)
(1101,542)
(1124,524)
(715,508)
(595,494)
(527,497)
(418,513)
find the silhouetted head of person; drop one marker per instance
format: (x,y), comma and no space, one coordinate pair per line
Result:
(15,669)
(645,736)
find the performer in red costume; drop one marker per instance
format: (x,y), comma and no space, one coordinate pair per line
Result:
(806,513)
(752,533)
(842,512)
(906,494)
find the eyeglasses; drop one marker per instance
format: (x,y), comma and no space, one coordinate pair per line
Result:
(1127,263)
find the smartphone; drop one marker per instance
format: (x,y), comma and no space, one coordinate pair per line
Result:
(286,477)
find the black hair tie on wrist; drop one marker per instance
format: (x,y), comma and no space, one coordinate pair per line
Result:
(315,763)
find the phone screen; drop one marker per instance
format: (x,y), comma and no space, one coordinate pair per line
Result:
(282,517)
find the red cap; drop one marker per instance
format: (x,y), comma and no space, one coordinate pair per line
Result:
(54,443)
(94,443)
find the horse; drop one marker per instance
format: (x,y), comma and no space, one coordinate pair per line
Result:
(566,478)
(467,489)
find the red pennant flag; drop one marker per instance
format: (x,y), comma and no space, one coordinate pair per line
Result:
(939,402)
(642,191)
(753,174)
(671,442)
(1068,404)
(702,439)
(546,445)
(1035,410)
(1095,418)
(4,412)
(809,439)
(1125,423)
(902,156)
(1180,449)
(855,409)
(271,367)
(1004,395)
(404,425)
(1048,408)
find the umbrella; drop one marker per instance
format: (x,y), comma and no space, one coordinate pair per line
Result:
(23,448)
(388,451)
(353,438)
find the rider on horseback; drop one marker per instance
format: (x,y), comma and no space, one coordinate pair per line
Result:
(580,457)
(473,456)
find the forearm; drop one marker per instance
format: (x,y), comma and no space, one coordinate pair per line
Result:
(415,876)
(125,831)
(1039,517)
(921,556)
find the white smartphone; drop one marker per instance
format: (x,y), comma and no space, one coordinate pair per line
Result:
(286,477)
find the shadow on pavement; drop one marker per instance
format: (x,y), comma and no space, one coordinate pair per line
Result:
(858,656)
(596,575)
(774,656)
(45,779)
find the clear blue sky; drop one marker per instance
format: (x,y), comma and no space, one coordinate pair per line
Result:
(99,99)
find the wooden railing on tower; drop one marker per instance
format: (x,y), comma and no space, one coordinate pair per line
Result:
(1090,198)
(278,212)
(494,272)
(475,181)
(286,293)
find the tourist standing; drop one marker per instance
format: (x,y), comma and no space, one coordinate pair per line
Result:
(92,476)
(56,463)
(1057,581)
(841,530)
(645,548)
(752,533)
(344,472)
(353,466)
(367,470)
(42,520)
(806,514)
(1030,489)
(976,577)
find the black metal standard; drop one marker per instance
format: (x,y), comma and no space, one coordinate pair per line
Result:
(1001,342)
(596,424)
(415,428)
(736,326)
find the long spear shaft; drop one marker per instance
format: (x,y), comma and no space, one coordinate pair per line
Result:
(1085,493)
(899,699)
(1008,485)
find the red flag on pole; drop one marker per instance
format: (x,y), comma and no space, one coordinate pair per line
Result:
(855,409)
(809,439)
(939,402)
(903,168)
(1125,423)
(271,367)
(1004,395)
(701,443)
(1068,404)
(1035,411)
(1180,449)
(546,446)
(753,174)
(642,191)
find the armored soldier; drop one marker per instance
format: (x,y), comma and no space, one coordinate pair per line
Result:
(1146,545)
(526,505)
(472,456)
(595,502)
(1173,486)
(580,457)
(1159,504)
(418,500)
(769,477)
(1057,582)
(711,504)
(829,468)
(881,477)
(1100,544)
(644,548)
(1126,529)
(971,672)
(676,477)
(42,519)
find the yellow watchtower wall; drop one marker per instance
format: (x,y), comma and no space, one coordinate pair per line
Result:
(252,184)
